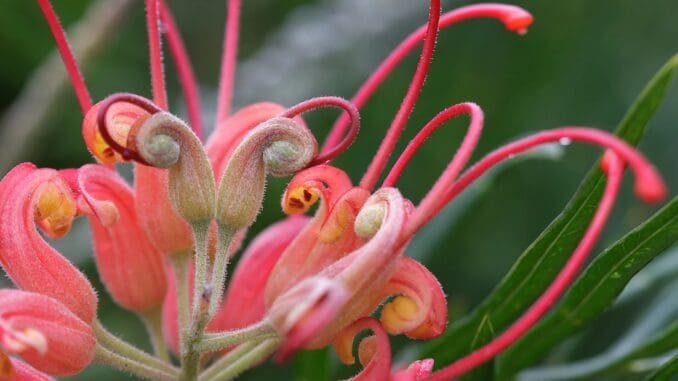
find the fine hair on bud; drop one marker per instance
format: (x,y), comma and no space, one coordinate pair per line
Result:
(279,147)
(165,141)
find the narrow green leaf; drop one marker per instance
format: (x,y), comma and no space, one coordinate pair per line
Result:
(542,260)
(312,365)
(616,358)
(596,289)
(484,335)
(666,372)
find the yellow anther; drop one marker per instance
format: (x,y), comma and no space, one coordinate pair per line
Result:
(299,200)
(55,209)
(103,151)
(399,312)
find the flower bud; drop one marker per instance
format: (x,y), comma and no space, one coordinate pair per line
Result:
(45,333)
(165,141)
(279,146)
(30,196)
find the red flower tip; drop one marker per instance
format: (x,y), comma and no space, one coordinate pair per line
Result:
(517,19)
(417,371)
(648,185)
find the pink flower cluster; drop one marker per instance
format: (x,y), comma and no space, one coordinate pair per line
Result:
(162,244)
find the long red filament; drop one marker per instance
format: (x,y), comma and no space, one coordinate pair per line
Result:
(649,186)
(143,103)
(228,62)
(319,102)
(74,73)
(184,69)
(381,158)
(155,52)
(553,292)
(461,157)
(514,18)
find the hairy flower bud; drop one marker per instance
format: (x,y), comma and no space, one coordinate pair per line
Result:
(165,141)
(280,147)
(29,195)
(45,333)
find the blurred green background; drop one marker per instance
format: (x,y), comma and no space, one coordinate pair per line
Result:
(582,63)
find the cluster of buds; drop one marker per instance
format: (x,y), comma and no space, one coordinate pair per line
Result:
(162,246)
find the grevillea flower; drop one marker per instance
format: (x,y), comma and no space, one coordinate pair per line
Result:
(44,333)
(305,282)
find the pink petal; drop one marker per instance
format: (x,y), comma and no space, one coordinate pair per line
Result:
(420,310)
(163,225)
(374,351)
(70,341)
(28,260)
(244,300)
(131,268)
(24,372)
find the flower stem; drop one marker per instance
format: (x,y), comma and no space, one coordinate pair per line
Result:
(153,322)
(224,239)
(190,357)
(228,359)
(217,341)
(251,354)
(124,349)
(180,266)
(125,364)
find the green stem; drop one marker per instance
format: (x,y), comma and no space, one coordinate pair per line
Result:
(190,357)
(257,354)
(226,360)
(125,364)
(222,340)
(153,321)
(112,343)
(224,238)
(180,263)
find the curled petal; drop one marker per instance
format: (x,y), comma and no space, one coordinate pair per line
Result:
(244,301)
(309,185)
(230,132)
(420,309)
(279,147)
(120,118)
(304,311)
(365,271)
(129,265)
(29,195)
(70,341)
(374,351)
(327,238)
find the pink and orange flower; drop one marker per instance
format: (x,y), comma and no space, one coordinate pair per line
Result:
(304,282)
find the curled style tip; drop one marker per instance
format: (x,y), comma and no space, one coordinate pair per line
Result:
(125,151)
(329,153)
